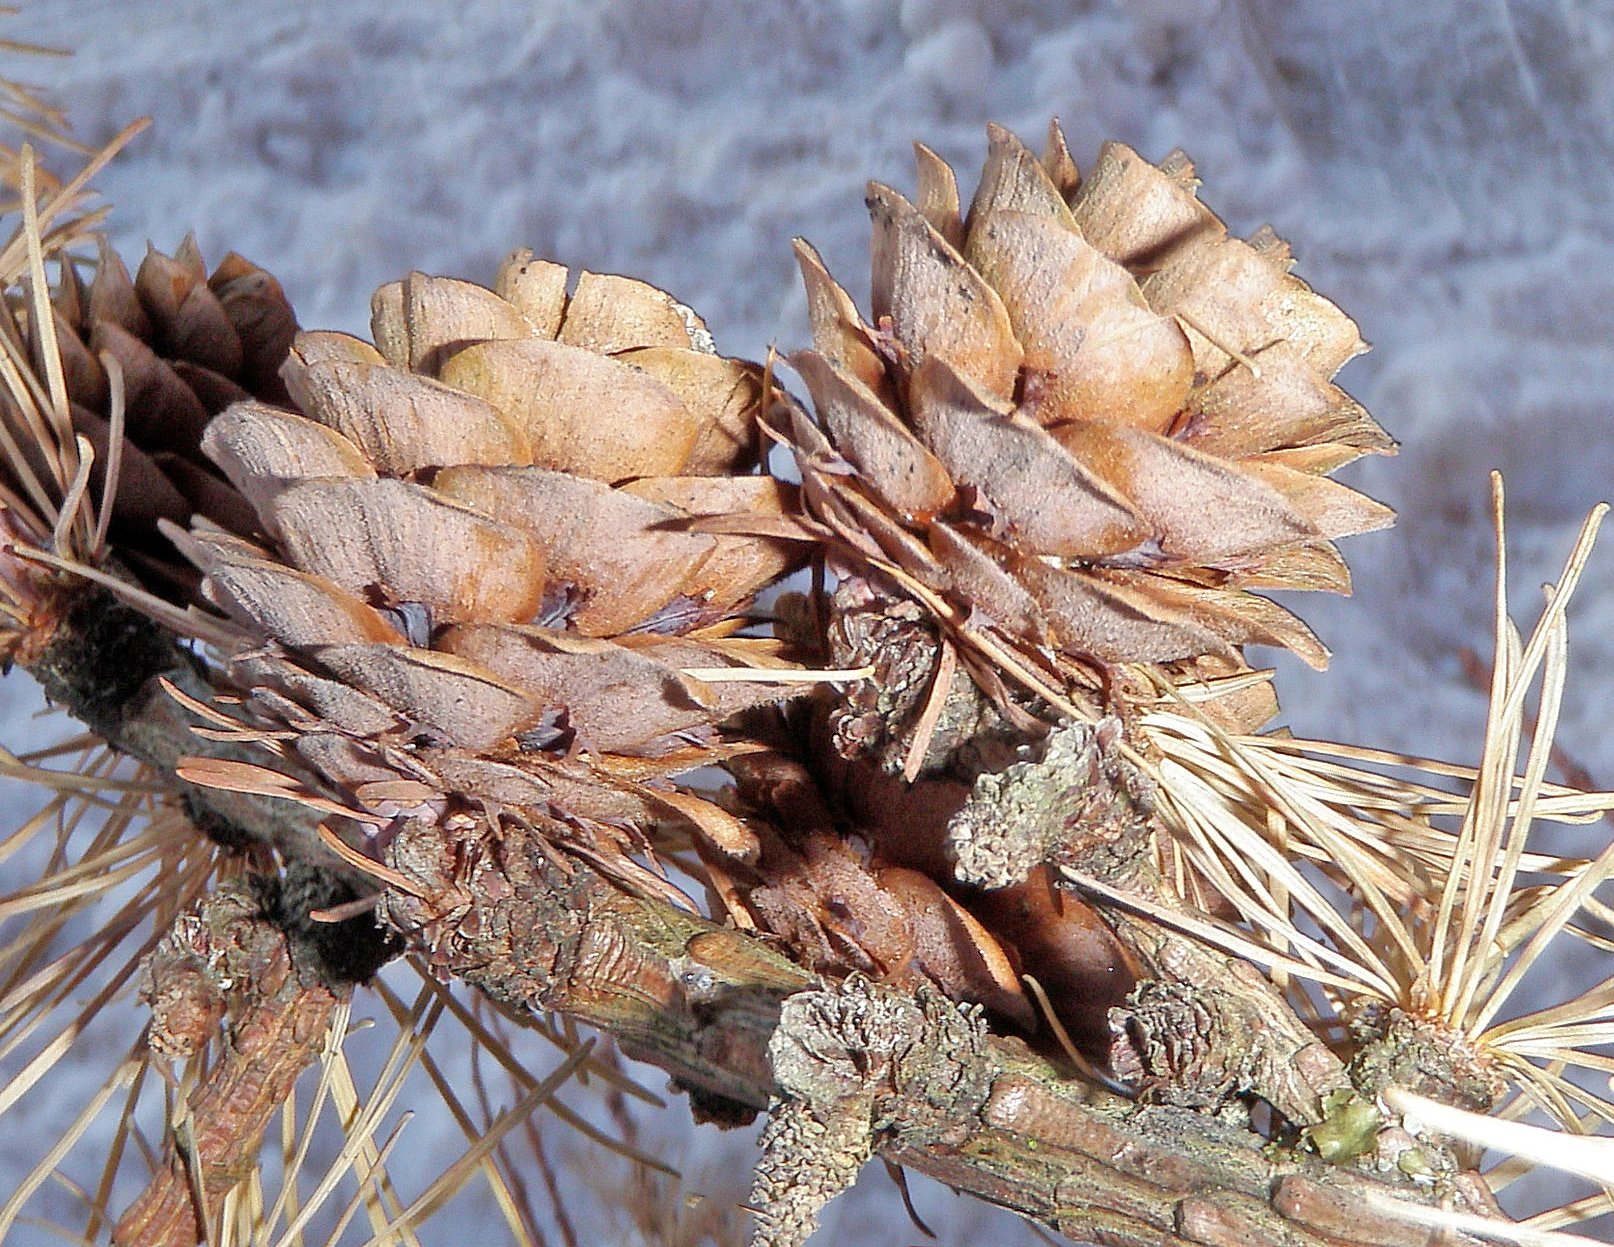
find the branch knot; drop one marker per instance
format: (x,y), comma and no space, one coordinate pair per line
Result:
(859,1065)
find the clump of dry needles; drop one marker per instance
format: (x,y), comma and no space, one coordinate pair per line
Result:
(444,651)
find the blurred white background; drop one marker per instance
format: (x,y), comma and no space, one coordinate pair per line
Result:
(1442,169)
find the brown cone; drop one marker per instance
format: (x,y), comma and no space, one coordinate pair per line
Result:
(1079,426)
(186,345)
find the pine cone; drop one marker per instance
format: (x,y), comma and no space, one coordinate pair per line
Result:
(1083,425)
(471,554)
(187,345)
(1085,420)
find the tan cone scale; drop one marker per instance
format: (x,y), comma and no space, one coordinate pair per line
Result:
(1085,415)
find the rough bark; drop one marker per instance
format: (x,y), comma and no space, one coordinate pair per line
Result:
(509,914)
(704,1003)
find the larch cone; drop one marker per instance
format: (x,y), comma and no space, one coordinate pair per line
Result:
(469,587)
(1085,423)
(1080,426)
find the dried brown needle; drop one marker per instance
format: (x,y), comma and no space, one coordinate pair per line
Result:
(1354,882)
(114,863)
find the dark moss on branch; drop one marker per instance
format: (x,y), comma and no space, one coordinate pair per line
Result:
(102,658)
(349,951)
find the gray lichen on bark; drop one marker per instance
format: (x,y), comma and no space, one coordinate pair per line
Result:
(1401,1049)
(860,1065)
(1078,797)
(1203,1045)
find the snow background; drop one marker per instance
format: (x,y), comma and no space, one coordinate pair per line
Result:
(1442,170)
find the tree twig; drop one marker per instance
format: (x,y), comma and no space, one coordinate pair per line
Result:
(227,958)
(504,911)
